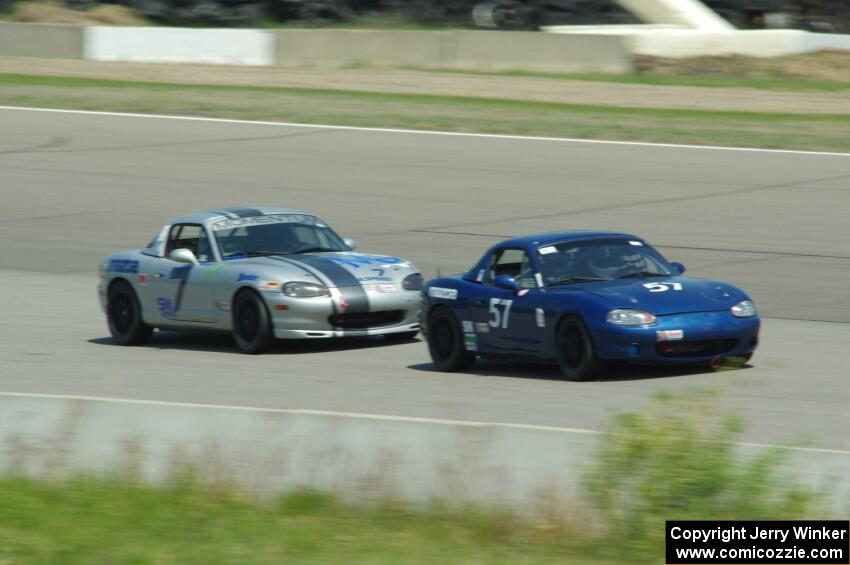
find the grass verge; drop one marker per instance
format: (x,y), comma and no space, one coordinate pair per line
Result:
(656,79)
(450,113)
(672,460)
(109,521)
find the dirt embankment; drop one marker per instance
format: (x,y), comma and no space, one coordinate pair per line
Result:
(828,65)
(54,13)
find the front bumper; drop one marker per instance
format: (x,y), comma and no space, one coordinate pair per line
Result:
(704,336)
(310,318)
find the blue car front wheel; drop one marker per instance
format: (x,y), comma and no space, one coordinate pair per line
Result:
(445,342)
(574,350)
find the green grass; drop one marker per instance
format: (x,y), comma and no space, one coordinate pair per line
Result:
(761,83)
(95,522)
(674,459)
(427,112)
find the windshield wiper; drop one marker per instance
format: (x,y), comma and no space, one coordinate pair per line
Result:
(251,253)
(315,250)
(573,280)
(642,274)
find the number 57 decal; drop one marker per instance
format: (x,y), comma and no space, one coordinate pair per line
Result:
(662,287)
(499,318)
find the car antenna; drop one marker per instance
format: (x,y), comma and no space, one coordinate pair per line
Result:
(439,272)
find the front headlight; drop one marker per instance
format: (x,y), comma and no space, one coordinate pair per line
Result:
(300,289)
(412,282)
(629,317)
(744,309)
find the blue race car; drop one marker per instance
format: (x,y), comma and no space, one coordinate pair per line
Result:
(580,298)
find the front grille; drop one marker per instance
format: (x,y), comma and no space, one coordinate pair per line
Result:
(703,348)
(363,320)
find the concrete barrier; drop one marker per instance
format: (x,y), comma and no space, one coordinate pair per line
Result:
(667,41)
(336,48)
(534,51)
(525,468)
(686,13)
(474,50)
(41,40)
(179,45)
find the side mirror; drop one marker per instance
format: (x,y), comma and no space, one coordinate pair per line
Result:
(350,242)
(678,267)
(507,282)
(183,256)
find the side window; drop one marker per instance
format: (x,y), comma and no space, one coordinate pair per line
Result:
(191,237)
(514,263)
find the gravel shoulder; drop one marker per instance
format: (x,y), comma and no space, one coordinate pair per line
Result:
(395,81)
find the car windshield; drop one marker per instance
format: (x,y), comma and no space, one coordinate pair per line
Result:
(600,259)
(275,234)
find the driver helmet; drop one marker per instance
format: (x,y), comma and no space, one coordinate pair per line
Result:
(611,261)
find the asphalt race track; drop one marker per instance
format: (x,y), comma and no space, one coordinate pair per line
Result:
(75,186)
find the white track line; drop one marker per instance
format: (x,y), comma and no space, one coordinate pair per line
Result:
(384,417)
(421,132)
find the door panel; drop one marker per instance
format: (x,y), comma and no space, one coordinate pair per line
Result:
(505,321)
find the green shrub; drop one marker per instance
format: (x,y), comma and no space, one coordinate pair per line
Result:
(676,460)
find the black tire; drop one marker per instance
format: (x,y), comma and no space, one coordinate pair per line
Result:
(402,336)
(124,315)
(574,350)
(445,342)
(252,327)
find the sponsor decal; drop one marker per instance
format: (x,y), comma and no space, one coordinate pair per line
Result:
(538,278)
(222,305)
(386,288)
(356,261)
(467,326)
(374,279)
(165,306)
(470,341)
(247,277)
(669,335)
(522,292)
(143,278)
(268,285)
(480,276)
(231,223)
(547,250)
(208,273)
(482,327)
(445,293)
(636,243)
(342,303)
(540,317)
(123,266)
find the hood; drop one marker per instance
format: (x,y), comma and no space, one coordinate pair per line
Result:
(665,295)
(344,268)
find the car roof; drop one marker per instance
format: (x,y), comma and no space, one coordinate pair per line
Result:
(537,239)
(233,213)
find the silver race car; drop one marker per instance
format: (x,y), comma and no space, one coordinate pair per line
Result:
(261,274)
